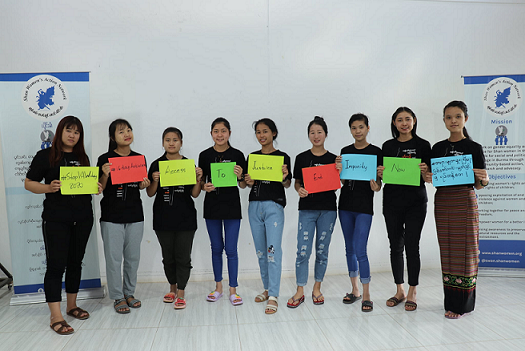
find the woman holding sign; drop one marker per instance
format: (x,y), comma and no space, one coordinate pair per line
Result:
(122,219)
(266,211)
(174,216)
(456,213)
(317,211)
(222,170)
(67,220)
(356,206)
(405,206)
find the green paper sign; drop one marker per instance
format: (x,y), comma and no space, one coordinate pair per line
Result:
(266,167)
(78,180)
(222,174)
(177,172)
(402,171)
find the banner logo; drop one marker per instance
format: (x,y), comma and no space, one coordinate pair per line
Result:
(45,97)
(502,96)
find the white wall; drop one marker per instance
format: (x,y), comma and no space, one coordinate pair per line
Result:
(183,63)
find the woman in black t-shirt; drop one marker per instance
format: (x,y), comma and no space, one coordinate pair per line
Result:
(222,208)
(67,219)
(317,213)
(405,206)
(266,213)
(121,221)
(174,219)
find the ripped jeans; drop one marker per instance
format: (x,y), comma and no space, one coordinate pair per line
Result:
(309,221)
(267,223)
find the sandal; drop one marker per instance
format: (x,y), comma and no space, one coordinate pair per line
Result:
(271,309)
(412,306)
(63,330)
(214,296)
(180,303)
(261,297)
(295,303)
(169,297)
(350,298)
(120,307)
(315,299)
(78,313)
(367,303)
(395,301)
(133,303)
(235,299)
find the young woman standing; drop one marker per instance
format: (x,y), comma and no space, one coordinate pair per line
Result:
(356,208)
(266,213)
(67,220)
(404,206)
(122,221)
(456,213)
(222,208)
(316,212)
(174,219)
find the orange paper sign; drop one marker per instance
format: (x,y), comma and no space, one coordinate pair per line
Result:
(321,178)
(128,169)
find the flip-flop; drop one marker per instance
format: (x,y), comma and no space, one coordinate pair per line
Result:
(395,300)
(367,303)
(271,309)
(261,297)
(410,304)
(77,312)
(180,303)
(295,302)
(213,296)
(63,328)
(169,297)
(133,301)
(315,299)
(350,298)
(235,299)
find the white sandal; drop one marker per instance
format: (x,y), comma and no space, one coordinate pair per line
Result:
(271,309)
(261,297)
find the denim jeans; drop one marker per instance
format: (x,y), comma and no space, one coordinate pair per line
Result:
(267,223)
(356,227)
(309,221)
(229,244)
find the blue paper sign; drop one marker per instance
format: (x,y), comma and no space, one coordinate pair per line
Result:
(453,170)
(359,167)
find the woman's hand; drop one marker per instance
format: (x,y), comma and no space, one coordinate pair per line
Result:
(238,171)
(155,176)
(106,169)
(285,172)
(375,186)
(54,186)
(380,170)
(198,173)
(208,187)
(99,188)
(481,176)
(145,183)
(338,163)
(302,192)
(249,181)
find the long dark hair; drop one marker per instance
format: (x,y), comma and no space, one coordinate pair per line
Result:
(57,152)
(113,129)
(395,132)
(268,122)
(320,122)
(223,121)
(463,107)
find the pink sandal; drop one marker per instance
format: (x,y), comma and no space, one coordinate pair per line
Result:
(169,297)
(214,296)
(235,299)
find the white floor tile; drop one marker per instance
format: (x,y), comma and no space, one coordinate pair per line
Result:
(216,338)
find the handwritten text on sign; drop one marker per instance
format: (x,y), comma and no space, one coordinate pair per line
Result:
(321,178)
(359,167)
(78,180)
(266,167)
(453,170)
(222,174)
(403,171)
(129,169)
(177,172)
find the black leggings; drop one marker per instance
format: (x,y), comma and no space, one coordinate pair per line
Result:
(65,247)
(404,225)
(176,255)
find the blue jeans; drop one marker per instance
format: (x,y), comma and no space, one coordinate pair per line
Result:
(229,244)
(309,221)
(267,223)
(356,227)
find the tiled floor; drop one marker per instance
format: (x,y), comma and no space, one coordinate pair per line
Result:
(498,322)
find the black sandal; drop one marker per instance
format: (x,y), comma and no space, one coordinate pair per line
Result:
(350,298)
(367,303)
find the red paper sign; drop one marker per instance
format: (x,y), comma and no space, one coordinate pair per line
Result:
(129,169)
(321,178)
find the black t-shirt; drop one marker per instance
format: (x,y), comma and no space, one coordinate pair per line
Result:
(394,194)
(221,203)
(121,202)
(58,207)
(264,190)
(173,209)
(325,200)
(356,195)
(447,148)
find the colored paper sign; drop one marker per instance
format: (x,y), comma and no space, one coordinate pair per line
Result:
(453,170)
(359,167)
(129,169)
(266,167)
(222,174)
(177,172)
(400,170)
(321,178)
(78,180)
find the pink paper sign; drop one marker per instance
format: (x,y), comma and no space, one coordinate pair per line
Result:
(129,169)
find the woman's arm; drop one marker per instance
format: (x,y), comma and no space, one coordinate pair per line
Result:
(151,190)
(40,188)
(299,188)
(197,187)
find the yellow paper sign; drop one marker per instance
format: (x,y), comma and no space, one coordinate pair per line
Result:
(266,167)
(177,172)
(78,180)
